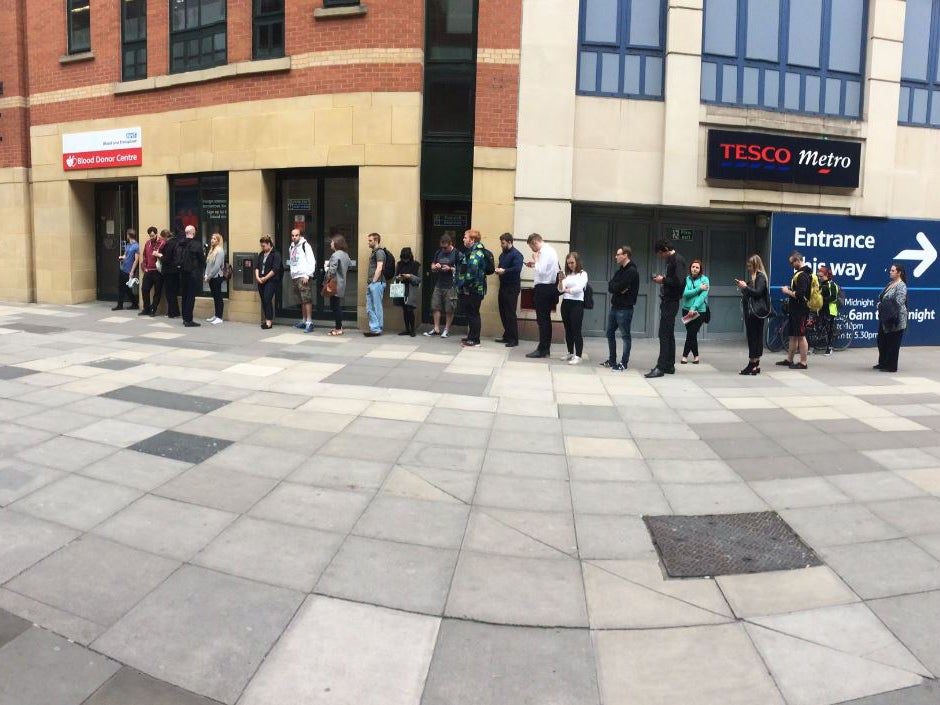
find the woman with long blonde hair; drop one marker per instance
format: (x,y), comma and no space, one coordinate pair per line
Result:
(215,274)
(755,302)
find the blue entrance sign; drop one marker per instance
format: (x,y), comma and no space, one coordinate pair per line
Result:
(860,251)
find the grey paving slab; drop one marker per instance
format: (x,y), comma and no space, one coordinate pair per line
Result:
(414,521)
(583,412)
(712,498)
(11,372)
(838,524)
(177,445)
(14,409)
(634,498)
(103,408)
(482,664)
(278,554)
(364,447)
(902,458)
(64,453)
(739,430)
(433,456)
(798,492)
(139,470)
(52,397)
(504,462)
(522,493)
(115,432)
(94,579)
(732,449)
(114,363)
(166,527)
(217,487)
(784,467)
(18,479)
(782,591)
(914,619)
(40,668)
(928,693)
(131,687)
(75,501)
(609,470)
(664,449)
(219,427)
(555,529)
(329,639)
(11,626)
(56,420)
(348,473)
(524,591)
(703,471)
(238,620)
(396,575)
(919,515)
(146,396)
(15,438)
(313,507)
(486,534)
(609,536)
(884,568)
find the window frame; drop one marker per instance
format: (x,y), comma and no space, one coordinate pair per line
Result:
(69,30)
(930,85)
(327,4)
(622,48)
(823,73)
(260,19)
(199,33)
(134,44)
(204,228)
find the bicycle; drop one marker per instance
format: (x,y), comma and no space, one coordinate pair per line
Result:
(817,329)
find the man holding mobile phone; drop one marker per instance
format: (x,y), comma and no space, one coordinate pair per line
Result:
(673,284)
(444,296)
(545,263)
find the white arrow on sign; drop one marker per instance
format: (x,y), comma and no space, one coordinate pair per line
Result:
(927,255)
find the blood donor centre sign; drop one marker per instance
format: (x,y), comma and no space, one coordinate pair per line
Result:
(860,251)
(105,149)
(755,156)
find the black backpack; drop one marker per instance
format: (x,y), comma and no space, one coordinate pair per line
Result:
(388,271)
(588,297)
(489,263)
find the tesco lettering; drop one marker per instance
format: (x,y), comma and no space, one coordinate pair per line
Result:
(770,154)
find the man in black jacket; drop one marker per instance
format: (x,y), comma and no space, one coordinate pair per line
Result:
(673,284)
(171,273)
(799,290)
(623,288)
(192,261)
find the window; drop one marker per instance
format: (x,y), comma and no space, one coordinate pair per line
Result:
(340,3)
(803,56)
(621,48)
(920,82)
(79,25)
(268,30)
(197,34)
(133,39)
(200,200)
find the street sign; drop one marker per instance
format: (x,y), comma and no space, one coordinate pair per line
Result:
(860,251)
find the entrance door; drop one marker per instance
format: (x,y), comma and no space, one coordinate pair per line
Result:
(320,203)
(440,218)
(115,212)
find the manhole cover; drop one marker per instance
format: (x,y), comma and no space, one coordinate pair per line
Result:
(727,544)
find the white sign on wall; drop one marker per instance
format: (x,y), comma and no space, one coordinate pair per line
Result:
(104,149)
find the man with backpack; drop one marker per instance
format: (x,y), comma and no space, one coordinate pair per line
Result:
(444,295)
(832,296)
(380,264)
(476,263)
(303,265)
(804,295)
(192,262)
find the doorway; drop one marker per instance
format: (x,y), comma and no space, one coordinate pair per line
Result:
(115,212)
(320,203)
(440,218)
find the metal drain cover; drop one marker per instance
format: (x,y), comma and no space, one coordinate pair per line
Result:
(727,544)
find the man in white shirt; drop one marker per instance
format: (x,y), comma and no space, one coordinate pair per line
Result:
(303,264)
(545,263)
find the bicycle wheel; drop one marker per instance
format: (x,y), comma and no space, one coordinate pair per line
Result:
(842,333)
(776,333)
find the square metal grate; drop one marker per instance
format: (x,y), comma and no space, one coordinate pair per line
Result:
(727,544)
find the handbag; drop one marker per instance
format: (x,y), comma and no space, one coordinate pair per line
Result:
(758,308)
(329,288)
(396,290)
(707,316)
(588,297)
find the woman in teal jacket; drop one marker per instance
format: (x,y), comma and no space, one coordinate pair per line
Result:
(694,306)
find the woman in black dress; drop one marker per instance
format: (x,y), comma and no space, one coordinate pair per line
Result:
(755,302)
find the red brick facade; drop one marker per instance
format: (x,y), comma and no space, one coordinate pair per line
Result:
(14,121)
(497,94)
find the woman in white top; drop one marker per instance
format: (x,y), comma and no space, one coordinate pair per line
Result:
(215,275)
(572,306)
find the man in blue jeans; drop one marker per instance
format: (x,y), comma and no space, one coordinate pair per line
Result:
(623,288)
(376,290)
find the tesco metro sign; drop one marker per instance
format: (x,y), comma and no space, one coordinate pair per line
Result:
(754,156)
(104,149)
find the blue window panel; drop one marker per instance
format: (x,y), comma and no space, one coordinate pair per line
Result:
(750,85)
(600,21)
(709,81)
(916,40)
(935,108)
(904,105)
(729,83)
(791,91)
(919,106)
(587,76)
(812,85)
(853,99)
(645,17)
(610,73)
(833,96)
(763,30)
(653,76)
(721,27)
(845,36)
(631,74)
(771,89)
(805,32)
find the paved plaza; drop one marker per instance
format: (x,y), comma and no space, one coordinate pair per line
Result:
(231,515)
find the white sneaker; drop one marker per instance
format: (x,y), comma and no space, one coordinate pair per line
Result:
(575,360)
(216,321)
(445,333)
(210,319)
(566,357)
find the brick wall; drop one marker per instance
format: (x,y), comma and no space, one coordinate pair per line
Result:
(14,117)
(497,94)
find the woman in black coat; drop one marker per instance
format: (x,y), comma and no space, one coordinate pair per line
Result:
(755,302)
(267,275)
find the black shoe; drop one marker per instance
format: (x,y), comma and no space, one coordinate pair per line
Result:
(654,373)
(143,312)
(874,367)
(749,369)
(191,324)
(372,334)
(500,340)
(265,326)
(118,308)
(798,366)
(404,332)
(887,369)
(152,314)
(535,354)
(784,363)
(511,345)
(609,364)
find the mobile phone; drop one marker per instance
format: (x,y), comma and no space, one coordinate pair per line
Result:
(653,277)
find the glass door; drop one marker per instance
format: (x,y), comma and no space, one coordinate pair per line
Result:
(115,212)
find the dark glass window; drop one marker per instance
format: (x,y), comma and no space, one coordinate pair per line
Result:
(796,55)
(133,39)
(198,38)
(268,29)
(920,82)
(340,3)
(200,200)
(621,48)
(79,25)
(450,30)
